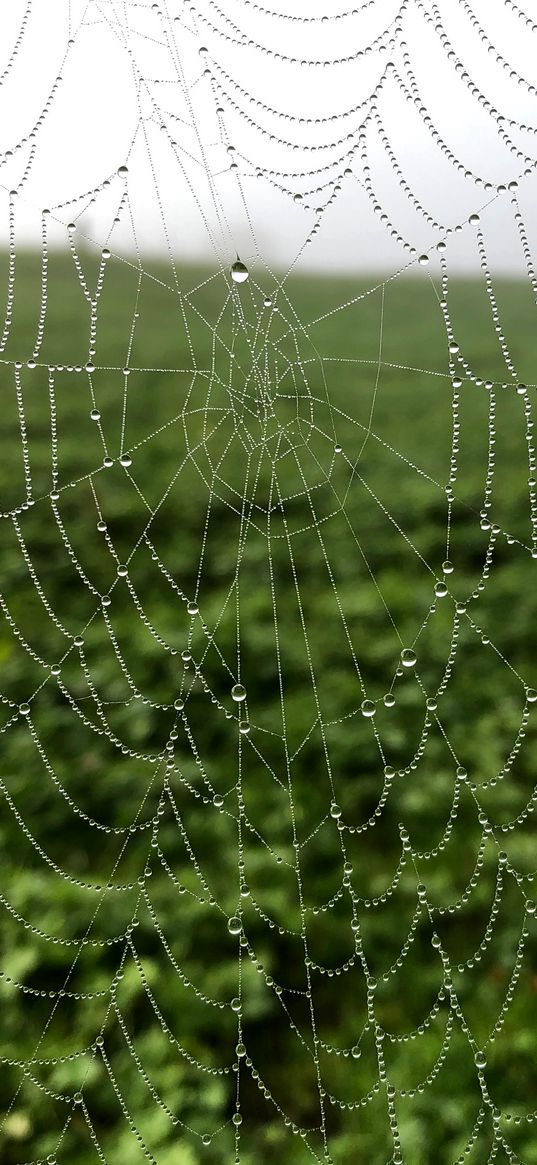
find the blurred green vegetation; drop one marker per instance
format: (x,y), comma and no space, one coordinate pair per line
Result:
(215,449)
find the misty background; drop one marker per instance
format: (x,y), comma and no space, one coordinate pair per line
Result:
(239,148)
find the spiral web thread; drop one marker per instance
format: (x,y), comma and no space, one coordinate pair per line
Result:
(257,445)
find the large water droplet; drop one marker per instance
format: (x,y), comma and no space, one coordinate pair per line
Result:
(239,273)
(480,1060)
(238,693)
(440,590)
(408,657)
(368,708)
(234,925)
(531,695)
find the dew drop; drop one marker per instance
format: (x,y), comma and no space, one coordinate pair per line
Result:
(125,460)
(234,925)
(24,709)
(235,1003)
(448,567)
(531,695)
(423,260)
(440,590)
(239,273)
(192,608)
(238,693)
(356,1052)
(206,1140)
(389,700)
(368,708)
(480,1060)
(408,657)
(335,810)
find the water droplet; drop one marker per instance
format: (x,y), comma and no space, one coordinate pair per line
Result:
(206,1140)
(122,171)
(105,252)
(218,801)
(480,1060)
(448,567)
(122,570)
(238,693)
(356,1052)
(24,709)
(239,273)
(125,460)
(423,260)
(240,1050)
(237,1119)
(531,906)
(389,700)
(521,389)
(192,608)
(440,590)
(235,1003)
(335,810)
(234,925)
(368,708)
(531,695)
(431,704)
(408,657)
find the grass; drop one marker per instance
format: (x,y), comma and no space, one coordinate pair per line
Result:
(361,532)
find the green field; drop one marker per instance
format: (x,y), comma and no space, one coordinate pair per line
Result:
(326,562)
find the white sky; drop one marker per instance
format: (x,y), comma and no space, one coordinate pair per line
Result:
(133,68)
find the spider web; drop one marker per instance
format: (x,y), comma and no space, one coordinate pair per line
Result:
(268,774)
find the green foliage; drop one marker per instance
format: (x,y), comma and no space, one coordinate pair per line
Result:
(337,542)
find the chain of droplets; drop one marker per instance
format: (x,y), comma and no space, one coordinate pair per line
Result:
(152,1158)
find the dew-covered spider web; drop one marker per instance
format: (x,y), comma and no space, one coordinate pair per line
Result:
(267,542)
